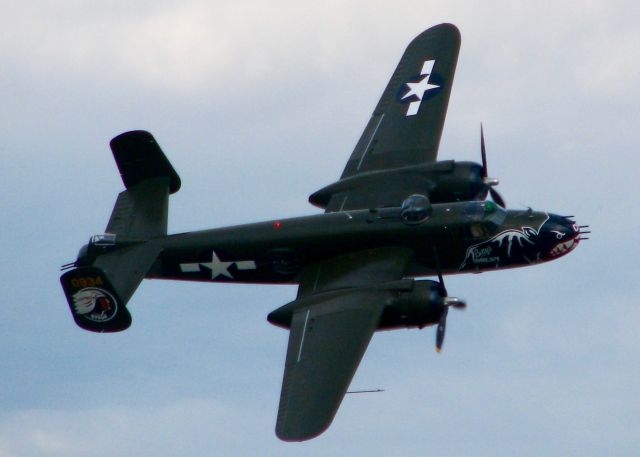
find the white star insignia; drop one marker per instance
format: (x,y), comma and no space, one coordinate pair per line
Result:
(217,266)
(419,88)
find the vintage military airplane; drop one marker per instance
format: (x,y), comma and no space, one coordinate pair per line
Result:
(395,214)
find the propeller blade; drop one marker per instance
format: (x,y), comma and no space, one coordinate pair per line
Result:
(496,197)
(442,327)
(446,301)
(483,151)
(443,289)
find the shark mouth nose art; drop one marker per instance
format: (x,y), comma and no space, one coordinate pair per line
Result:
(564,248)
(574,235)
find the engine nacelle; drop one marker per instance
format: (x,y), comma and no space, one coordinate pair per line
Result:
(444,181)
(408,303)
(418,307)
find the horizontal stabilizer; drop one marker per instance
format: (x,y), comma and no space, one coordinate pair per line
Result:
(142,211)
(126,267)
(139,158)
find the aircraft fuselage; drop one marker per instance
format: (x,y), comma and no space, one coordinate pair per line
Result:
(467,237)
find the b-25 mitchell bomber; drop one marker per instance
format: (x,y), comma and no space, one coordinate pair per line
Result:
(395,214)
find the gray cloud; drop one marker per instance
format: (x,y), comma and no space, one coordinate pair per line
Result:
(258,105)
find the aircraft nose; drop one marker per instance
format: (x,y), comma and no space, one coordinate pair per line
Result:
(563,235)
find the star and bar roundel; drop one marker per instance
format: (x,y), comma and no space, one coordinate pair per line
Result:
(419,88)
(217,267)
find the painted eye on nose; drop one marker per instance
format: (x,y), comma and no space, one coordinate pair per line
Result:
(559,235)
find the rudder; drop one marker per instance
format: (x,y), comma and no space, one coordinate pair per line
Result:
(93,301)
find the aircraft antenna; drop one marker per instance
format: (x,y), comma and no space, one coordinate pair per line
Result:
(370,391)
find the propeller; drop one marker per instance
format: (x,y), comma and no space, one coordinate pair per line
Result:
(490,182)
(447,302)
(442,327)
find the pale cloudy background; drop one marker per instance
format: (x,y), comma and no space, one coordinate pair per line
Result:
(258,104)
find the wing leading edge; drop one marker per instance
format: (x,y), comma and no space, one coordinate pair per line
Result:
(406,125)
(331,323)
(405,128)
(326,343)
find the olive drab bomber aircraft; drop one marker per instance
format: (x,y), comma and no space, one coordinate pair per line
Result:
(395,214)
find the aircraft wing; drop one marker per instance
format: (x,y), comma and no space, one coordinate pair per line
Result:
(406,125)
(331,324)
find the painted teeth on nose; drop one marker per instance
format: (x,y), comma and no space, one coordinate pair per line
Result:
(563,248)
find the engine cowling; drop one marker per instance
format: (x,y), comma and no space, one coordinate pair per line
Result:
(444,181)
(418,307)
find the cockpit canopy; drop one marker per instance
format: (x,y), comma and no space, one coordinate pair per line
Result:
(415,209)
(105,239)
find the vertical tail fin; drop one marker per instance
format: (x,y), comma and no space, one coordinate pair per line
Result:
(109,272)
(94,303)
(97,294)
(141,210)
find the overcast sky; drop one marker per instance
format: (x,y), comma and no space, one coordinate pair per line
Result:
(257,105)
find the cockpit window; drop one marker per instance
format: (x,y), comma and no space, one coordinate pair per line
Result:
(485,217)
(474,211)
(106,239)
(415,209)
(489,207)
(479,230)
(494,213)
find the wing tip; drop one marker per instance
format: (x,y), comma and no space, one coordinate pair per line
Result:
(441,30)
(293,433)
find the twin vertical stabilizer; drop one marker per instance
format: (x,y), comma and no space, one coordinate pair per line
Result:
(108,274)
